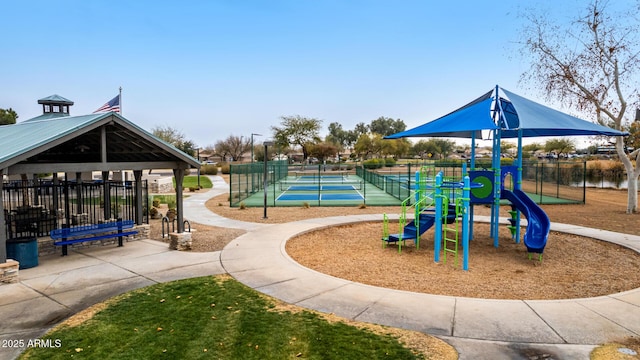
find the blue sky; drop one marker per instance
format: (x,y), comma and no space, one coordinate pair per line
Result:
(217,68)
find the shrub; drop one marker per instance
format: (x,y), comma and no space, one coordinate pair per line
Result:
(242,205)
(225,169)
(156,203)
(172,204)
(362,206)
(617,167)
(306,205)
(373,164)
(594,169)
(209,169)
(389,162)
(506,161)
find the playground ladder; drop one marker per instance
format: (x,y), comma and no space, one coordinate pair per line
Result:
(513,223)
(449,234)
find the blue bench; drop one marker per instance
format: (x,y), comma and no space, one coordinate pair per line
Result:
(77,234)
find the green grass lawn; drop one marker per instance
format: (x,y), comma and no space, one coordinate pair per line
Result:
(212,318)
(192,181)
(189,182)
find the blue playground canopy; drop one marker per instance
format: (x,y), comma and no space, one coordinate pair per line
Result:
(512,114)
(464,122)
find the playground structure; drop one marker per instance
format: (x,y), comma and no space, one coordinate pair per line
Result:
(448,204)
(503,114)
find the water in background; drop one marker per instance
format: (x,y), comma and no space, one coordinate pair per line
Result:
(604,183)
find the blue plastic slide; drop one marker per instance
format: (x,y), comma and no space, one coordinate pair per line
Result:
(409,232)
(426,221)
(535,239)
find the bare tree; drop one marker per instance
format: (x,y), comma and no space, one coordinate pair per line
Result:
(323,150)
(590,65)
(233,146)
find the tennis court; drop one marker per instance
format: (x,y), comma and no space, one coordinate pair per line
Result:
(320,189)
(339,187)
(296,185)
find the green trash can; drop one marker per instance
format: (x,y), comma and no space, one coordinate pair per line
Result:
(23,250)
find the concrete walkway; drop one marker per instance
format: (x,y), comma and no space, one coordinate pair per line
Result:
(478,328)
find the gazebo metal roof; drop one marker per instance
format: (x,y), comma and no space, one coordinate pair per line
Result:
(96,142)
(55,99)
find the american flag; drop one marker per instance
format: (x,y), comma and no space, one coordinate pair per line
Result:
(111,105)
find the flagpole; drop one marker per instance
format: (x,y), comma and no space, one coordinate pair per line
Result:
(120,98)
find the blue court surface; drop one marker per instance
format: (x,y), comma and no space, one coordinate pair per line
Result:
(314,197)
(322,187)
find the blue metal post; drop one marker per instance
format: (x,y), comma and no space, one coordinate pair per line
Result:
(518,181)
(437,237)
(472,165)
(495,209)
(465,222)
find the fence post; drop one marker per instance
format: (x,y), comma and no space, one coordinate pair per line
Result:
(319,184)
(541,180)
(584,182)
(558,179)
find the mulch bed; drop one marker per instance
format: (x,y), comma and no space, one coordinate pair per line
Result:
(572,266)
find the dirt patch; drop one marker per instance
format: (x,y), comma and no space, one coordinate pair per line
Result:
(205,238)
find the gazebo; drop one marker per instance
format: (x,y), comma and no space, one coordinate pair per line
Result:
(56,142)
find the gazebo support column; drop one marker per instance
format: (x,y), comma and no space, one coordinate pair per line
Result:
(179,176)
(54,192)
(78,209)
(106,195)
(36,199)
(67,206)
(137,174)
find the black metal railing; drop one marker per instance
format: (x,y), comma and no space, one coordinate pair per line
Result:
(35,207)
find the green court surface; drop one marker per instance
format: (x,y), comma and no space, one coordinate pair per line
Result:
(348,190)
(542,199)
